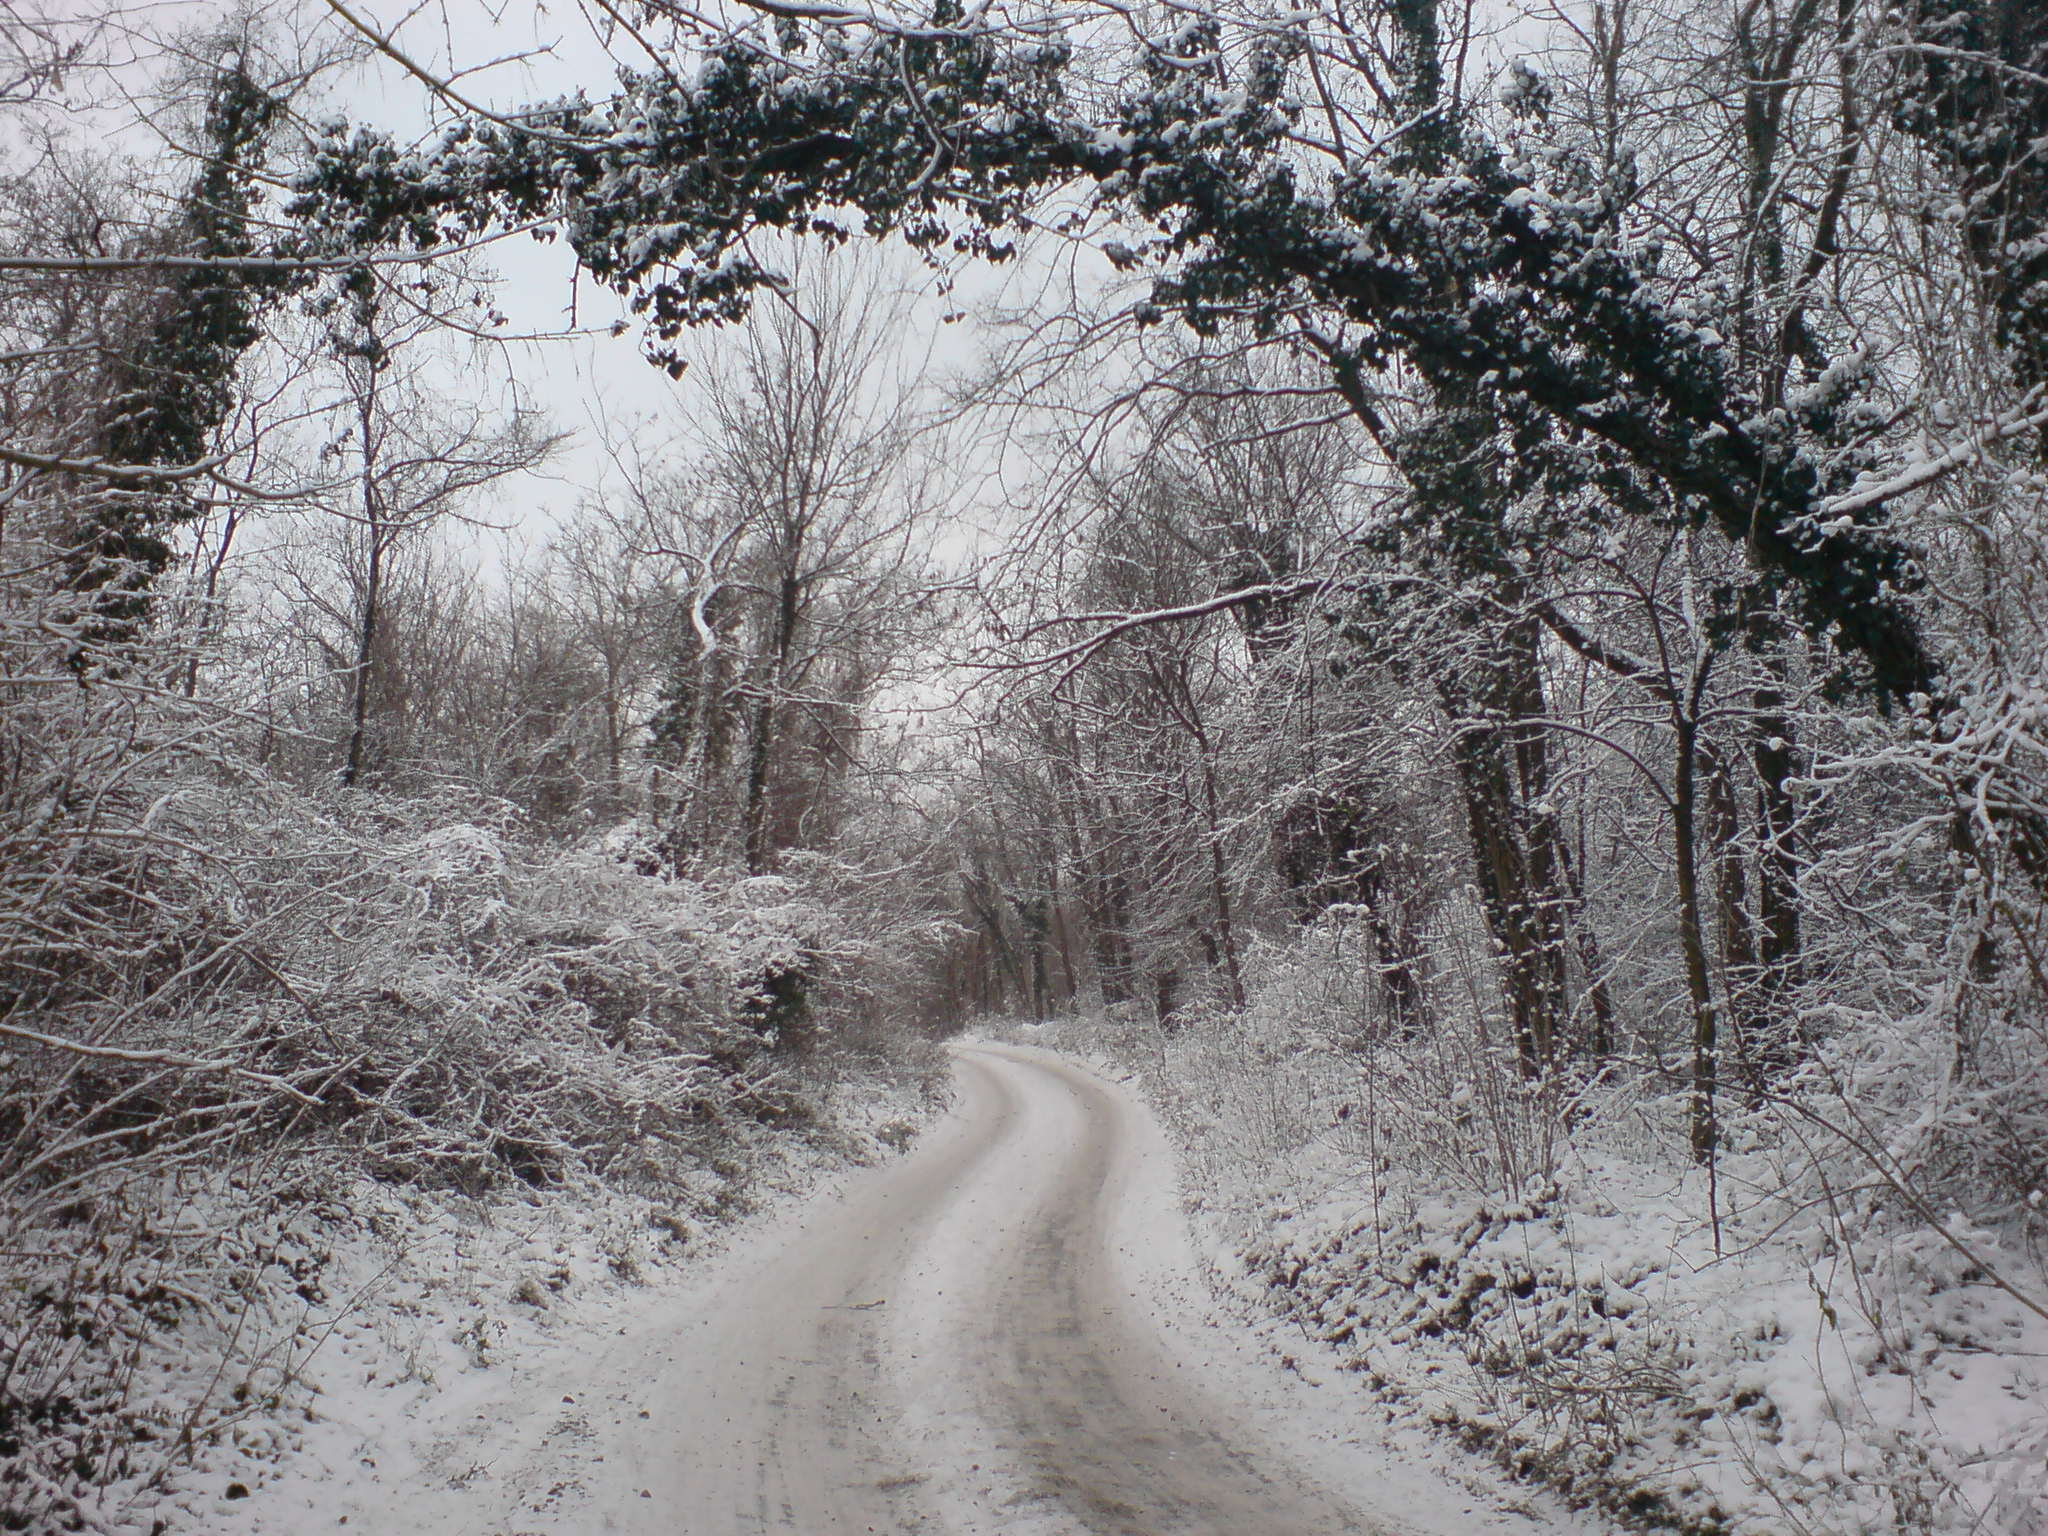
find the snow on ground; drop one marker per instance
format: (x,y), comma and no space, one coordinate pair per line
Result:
(484,1382)
(1592,1335)
(625,1401)
(429,1337)
(1831,1368)
(546,1358)
(1407,1479)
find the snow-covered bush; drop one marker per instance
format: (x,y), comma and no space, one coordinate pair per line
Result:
(225,1002)
(1827,1329)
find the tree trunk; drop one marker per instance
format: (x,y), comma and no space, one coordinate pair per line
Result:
(373,590)
(1331,851)
(979,892)
(1501,753)
(1397,950)
(1741,967)
(1597,996)
(1034,917)
(209,595)
(1777,886)
(1219,882)
(1108,899)
(1498,707)
(767,713)
(1705,1129)
(754,814)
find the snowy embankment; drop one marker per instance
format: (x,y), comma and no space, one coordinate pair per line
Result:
(449,1082)
(1821,1364)
(378,1325)
(1591,1335)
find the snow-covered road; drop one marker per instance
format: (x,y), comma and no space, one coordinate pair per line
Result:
(1004,1331)
(967,1341)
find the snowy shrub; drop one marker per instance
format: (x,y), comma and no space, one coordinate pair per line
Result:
(1331,1062)
(1824,1330)
(223,999)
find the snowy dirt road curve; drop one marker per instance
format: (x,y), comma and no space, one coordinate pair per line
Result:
(1003,1332)
(986,1299)
(967,1340)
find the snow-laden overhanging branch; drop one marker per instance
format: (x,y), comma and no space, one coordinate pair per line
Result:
(952,137)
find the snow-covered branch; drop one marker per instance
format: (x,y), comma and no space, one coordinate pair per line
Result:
(1924,472)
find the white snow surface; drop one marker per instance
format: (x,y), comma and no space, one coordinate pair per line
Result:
(1778,1385)
(943,1343)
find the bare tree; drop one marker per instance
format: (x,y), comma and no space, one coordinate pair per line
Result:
(797,540)
(412,458)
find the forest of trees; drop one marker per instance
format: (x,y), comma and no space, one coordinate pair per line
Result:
(1513,537)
